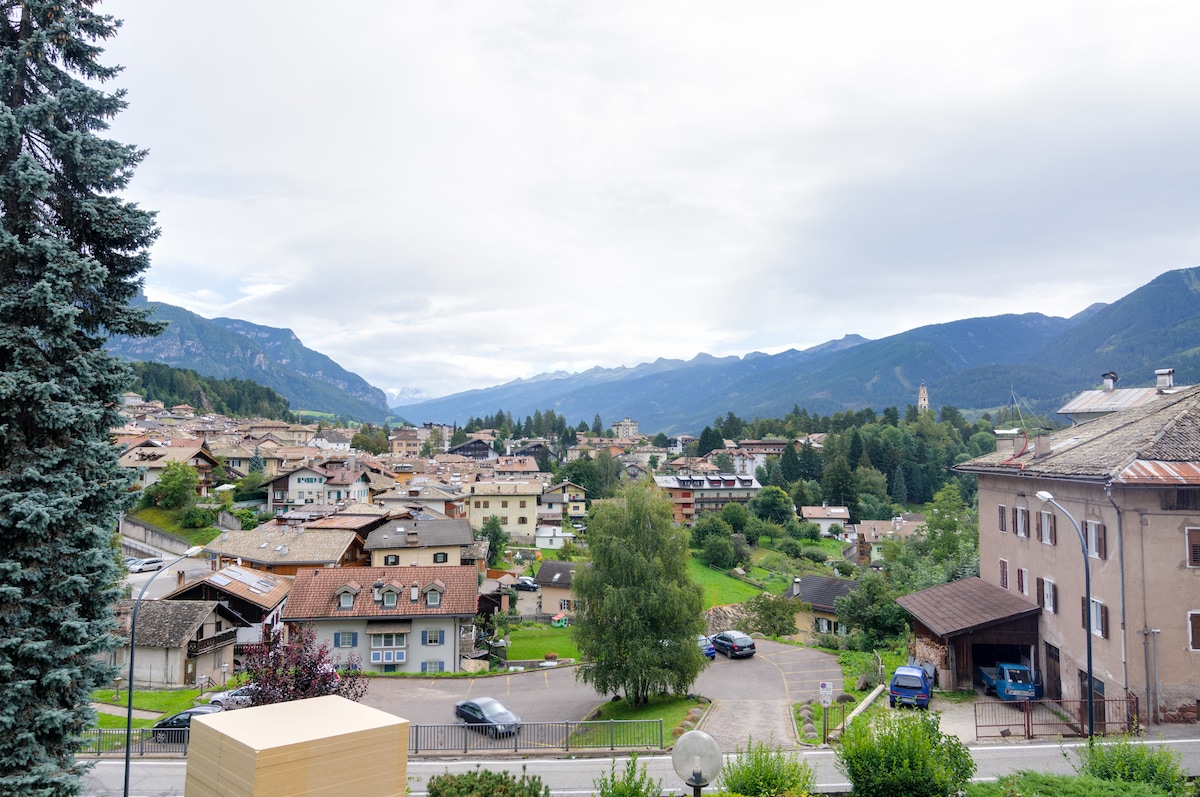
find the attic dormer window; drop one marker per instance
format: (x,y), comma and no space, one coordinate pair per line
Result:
(433,598)
(389,599)
(346,600)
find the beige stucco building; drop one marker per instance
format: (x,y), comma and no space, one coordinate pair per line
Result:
(1131,480)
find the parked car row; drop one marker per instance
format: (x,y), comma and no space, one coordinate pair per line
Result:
(733,644)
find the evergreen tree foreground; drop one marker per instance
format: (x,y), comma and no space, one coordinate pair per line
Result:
(71,253)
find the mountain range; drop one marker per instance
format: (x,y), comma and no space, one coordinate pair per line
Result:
(274,357)
(976,364)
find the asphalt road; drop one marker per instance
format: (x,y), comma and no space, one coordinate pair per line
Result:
(573,777)
(750,697)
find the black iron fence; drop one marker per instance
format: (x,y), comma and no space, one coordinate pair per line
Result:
(1029,719)
(531,736)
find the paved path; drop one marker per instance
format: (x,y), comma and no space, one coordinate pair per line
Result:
(109,708)
(752,698)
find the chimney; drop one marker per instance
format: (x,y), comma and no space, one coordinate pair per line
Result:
(416,590)
(1110,380)
(1166,379)
(1006,440)
(1040,443)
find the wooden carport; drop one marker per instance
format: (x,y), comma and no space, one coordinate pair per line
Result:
(953,619)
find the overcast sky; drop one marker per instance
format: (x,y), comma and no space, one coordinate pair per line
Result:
(449,195)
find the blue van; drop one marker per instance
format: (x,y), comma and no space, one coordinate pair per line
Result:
(910,685)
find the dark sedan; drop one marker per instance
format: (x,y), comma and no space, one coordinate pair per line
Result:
(174,729)
(733,644)
(488,715)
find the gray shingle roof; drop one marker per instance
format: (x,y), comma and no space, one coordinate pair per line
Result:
(429,533)
(821,591)
(166,624)
(1166,430)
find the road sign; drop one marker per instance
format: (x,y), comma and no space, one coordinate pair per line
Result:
(826,688)
(826,700)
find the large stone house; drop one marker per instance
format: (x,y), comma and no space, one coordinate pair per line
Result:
(1131,481)
(426,543)
(396,619)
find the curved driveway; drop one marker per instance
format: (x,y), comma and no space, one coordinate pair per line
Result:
(752,697)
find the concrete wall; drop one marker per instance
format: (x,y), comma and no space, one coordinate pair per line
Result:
(137,530)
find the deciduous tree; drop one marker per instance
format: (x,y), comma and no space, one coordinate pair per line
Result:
(71,255)
(772,504)
(639,610)
(497,539)
(300,668)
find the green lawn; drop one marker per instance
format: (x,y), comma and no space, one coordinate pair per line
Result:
(672,710)
(720,589)
(164,702)
(166,521)
(534,641)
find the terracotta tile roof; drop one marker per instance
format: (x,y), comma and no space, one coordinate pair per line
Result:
(313,596)
(965,605)
(1132,446)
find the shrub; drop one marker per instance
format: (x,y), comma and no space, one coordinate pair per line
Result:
(484,782)
(762,771)
(791,548)
(1122,760)
(195,517)
(814,554)
(904,755)
(1037,784)
(633,782)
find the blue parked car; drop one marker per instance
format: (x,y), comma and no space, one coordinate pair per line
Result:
(910,685)
(706,646)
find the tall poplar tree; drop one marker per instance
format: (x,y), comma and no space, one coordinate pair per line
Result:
(639,610)
(71,253)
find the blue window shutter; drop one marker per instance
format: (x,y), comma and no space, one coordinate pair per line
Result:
(424,640)
(337,640)
(354,640)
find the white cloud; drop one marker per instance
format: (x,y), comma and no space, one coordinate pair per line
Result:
(448,195)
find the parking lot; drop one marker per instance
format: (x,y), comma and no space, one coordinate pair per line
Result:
(751,697)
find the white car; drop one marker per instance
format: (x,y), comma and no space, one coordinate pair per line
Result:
(241,697)
(142,565)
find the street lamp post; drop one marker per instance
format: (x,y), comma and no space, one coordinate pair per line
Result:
(224,670)
(133,647)
(1045,496)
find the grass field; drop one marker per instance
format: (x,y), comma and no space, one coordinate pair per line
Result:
(719,589)
(164,702)
(166,521)
(534,641)
(672,710)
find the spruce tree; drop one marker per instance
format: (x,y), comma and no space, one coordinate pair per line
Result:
(71,253)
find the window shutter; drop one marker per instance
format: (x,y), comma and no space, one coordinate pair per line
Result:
(1041,592)
(1054,597)
(1101,541)
(1103,621)
(1021,580)
(1054,529)
(1014,520)
(1083,603)
(337,639)
(354,639)
(1193,543)
(424,637)
(1194,621)
(1037,522)
(1002,520)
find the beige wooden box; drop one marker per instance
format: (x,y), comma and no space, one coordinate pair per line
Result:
(320,746)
